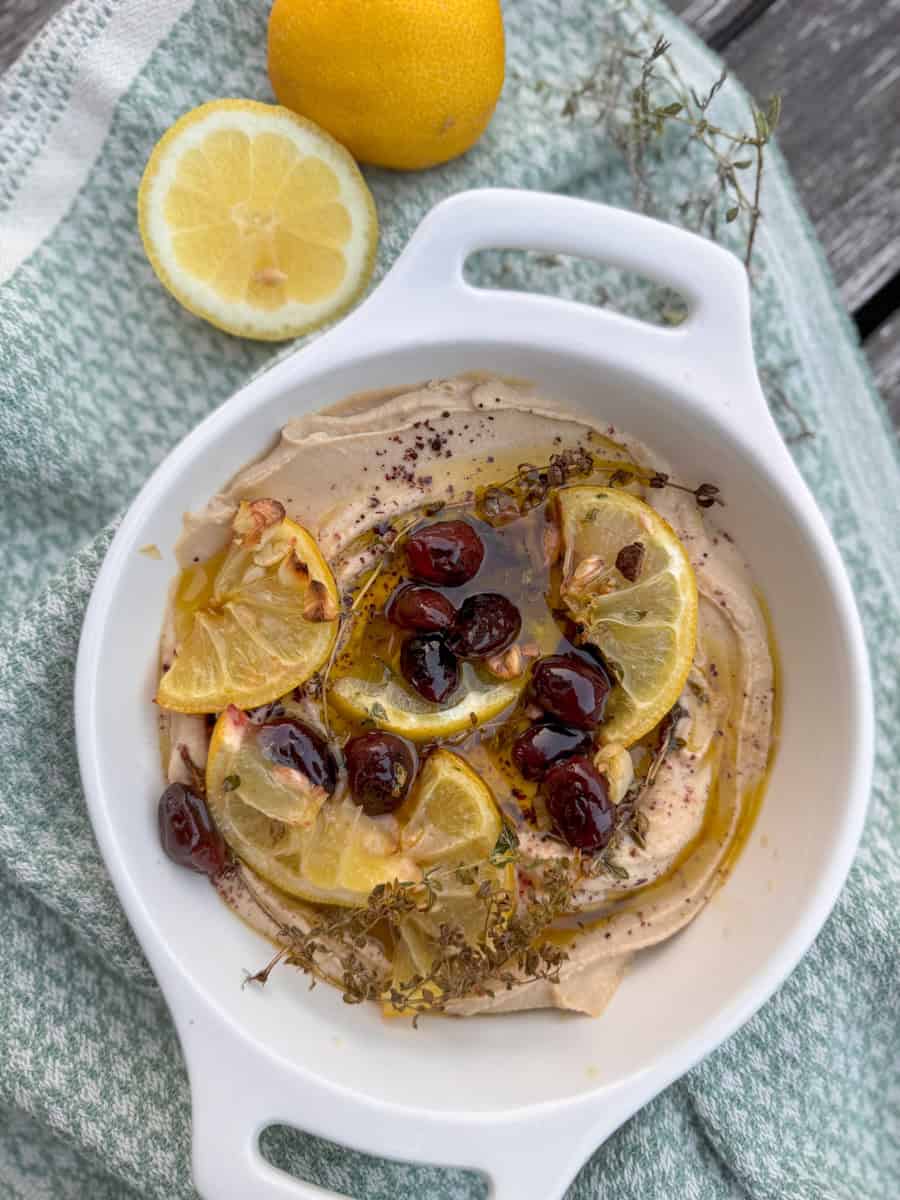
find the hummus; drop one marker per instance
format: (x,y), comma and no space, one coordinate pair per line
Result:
(347,470)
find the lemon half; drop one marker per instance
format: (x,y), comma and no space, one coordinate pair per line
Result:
(257,220)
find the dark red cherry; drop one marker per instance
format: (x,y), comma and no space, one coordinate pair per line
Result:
(571,690)
(381,768)
(485,625)
(291,743)
(448,553)
(543,745)
(430,666)
(413,606)
(579,805)
(187,832)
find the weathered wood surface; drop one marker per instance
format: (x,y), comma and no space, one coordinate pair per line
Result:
(883,350)
(718,21)
(837,65)
(20,20)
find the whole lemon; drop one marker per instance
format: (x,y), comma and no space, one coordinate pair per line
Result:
(400,83)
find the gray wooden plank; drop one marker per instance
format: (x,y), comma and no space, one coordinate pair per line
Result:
(883,351)
(20,20)
(837,65)
(708,17)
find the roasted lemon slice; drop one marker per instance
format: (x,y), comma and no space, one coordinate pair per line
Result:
(291,832)
(627,580)
(237,766)
(255,621)
(453,816)
(390,704)
(451,820)
(256,219)
(459,907)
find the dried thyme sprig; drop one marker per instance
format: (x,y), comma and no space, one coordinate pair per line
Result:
(630,820)
(637,93)
(508,952)
(706,494)
(530,486)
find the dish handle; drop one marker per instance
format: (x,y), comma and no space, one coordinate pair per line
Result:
(236,1092)
(714,283)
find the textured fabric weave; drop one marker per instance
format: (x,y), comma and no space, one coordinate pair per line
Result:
(101,373)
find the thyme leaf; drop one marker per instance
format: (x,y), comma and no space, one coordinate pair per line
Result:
(506,847)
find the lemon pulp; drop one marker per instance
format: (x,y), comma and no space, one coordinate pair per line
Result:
(256,219)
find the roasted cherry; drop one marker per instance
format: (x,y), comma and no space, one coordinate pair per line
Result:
(485,625)
(381,768)
(430,666)
(579,805)
(187,832)
(571,690)
(448,552)
(543,745)
(290,743)
(413,606)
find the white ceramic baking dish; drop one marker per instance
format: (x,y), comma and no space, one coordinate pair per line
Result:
(524,1098)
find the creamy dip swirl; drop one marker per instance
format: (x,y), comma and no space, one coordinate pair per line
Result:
(347,469)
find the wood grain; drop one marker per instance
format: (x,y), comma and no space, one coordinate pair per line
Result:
(883,351)
(718,22)
(706,17)
(20,20)
(837,65)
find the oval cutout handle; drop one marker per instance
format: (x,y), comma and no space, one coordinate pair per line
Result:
(237,1090)
(712,280)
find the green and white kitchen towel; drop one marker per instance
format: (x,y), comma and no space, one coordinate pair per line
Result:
(101,373)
